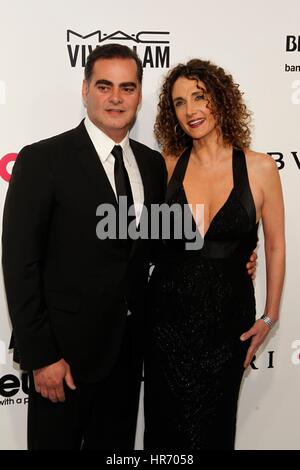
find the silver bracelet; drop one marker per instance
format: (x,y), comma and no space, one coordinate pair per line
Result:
(268,321)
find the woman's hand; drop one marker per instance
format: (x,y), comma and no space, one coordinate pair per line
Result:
(258,333)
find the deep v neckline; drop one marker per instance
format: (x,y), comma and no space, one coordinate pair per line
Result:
(216,214)
(221,208)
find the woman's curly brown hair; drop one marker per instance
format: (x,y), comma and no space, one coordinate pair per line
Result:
(230,112)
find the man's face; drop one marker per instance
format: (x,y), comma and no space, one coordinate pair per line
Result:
(112,96)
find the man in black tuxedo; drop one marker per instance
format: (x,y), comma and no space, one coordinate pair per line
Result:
(76,301)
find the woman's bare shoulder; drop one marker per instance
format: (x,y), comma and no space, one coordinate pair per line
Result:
(258,161)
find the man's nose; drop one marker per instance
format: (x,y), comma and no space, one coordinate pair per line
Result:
(115,96)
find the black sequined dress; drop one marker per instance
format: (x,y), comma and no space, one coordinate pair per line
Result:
(199,304)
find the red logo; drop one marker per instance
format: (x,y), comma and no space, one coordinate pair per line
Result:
(9,157)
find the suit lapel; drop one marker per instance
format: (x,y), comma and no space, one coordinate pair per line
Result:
(142,163)
(90,162)
(141,159)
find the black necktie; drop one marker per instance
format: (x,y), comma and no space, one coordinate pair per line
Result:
(122,182)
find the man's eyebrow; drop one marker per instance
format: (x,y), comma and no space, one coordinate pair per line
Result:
(108,83)
(103,82)
(125,84)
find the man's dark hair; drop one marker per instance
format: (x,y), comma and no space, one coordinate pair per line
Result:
(112,51)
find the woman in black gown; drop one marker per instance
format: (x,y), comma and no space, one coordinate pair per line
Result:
(202,330)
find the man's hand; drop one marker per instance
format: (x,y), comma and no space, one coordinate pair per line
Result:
(251,265)
(49,380)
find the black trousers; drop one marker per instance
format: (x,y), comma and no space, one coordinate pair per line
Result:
(95,416)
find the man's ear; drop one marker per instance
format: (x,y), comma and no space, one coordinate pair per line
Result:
(140,100)
(84,92)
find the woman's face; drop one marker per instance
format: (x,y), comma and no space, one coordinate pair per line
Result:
(193,108)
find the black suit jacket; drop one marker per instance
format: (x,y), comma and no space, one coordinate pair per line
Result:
(67,291)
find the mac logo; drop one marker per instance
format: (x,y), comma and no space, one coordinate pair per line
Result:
(153,47)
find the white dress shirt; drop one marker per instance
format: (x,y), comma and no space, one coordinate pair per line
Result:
(104,145)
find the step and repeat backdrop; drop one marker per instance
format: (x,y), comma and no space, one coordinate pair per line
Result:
(43,48)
